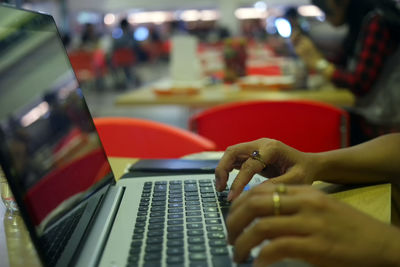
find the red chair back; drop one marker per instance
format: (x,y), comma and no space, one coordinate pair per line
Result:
(139,138)
(123,57)
(87,64)
(304,125)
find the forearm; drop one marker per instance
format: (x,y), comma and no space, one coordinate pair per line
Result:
(375,161)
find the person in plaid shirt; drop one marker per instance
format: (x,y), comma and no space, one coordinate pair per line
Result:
(373,39)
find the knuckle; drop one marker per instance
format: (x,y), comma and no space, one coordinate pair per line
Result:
(230,149)
(273,145)
(317,201)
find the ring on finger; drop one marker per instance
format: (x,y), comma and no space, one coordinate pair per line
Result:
(276,200)
(256,156)
(281,189)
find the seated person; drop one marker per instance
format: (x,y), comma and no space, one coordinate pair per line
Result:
(368,63)
(312,226)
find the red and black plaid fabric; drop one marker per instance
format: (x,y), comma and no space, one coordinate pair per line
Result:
(378,42)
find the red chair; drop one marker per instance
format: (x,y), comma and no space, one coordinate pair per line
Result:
(305,125)
(139,138)
(123,57)
(88,65)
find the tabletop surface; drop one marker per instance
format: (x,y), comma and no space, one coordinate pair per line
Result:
(221,94)
(374,200)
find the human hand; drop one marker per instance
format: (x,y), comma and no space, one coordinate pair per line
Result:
(306,50)
(282,163)
(312,227)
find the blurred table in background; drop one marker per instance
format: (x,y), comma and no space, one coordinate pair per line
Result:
(222,94)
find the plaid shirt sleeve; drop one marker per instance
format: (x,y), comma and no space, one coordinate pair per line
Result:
(376,46)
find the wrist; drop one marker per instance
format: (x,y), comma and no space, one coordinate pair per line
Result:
(325,68)
(318,164)
(314,163)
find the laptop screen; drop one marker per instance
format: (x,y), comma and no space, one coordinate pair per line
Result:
(48,141)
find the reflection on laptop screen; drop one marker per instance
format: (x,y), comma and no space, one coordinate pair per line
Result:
(46,131)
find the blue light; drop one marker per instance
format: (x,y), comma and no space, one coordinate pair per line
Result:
(141,34)
(283,27)
(117,33)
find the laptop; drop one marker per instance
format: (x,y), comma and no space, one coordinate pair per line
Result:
(75,212)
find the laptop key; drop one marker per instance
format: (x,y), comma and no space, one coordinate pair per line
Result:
(155,233)
(217,243)
(199,264)
(157,214)
(154,240)
(175,228)
(194,226)
(156,226)
(216,235)
(133,259)
(138,236)
(196,240)
(175,205)
(219,251)
(193,219)
(175,259)
(198,256)
(195,233)
(154,248)
(213,221)
(218,261)
(197,248)
(175,216)
(193,213)
(152,256)
(209,204)
(175,235)
(175,222)
(175,243)
(135,251)
(156,220)
(215,228)
(175,251)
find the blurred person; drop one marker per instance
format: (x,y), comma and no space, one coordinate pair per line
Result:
(369,64)
(296,21)
(302,222)
(123,67)
(89,38)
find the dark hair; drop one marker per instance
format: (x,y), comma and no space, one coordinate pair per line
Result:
(124,23)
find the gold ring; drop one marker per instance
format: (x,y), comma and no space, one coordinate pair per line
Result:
(281,189)
(276,199)
(256,155)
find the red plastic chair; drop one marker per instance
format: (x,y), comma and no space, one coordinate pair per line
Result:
(123,57)
(88,65)
(304,125)
(139,138)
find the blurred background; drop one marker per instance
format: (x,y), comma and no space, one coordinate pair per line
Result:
(128,43)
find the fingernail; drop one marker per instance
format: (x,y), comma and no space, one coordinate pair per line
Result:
(219,186)
(230,195)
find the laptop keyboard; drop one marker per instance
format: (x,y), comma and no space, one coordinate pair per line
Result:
(179,224)
(56,238)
